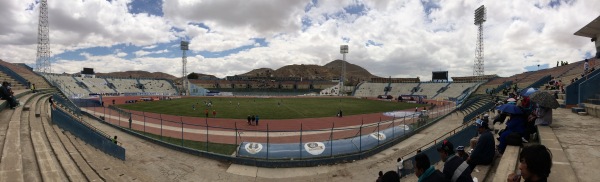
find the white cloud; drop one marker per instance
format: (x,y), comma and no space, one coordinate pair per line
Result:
(121,54)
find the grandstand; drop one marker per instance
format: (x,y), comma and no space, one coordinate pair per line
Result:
(23,71)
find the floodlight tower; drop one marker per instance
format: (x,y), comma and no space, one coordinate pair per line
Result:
(480,17)
(344,51)
(184,47)
(42,62)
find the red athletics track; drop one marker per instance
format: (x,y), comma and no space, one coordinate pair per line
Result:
(222,130)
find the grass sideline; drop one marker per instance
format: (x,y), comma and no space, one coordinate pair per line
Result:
(220,148)
(269,108)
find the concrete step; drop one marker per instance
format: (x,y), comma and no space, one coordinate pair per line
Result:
(561,167)
(74,154)
(577,109)
(11,163)
(72,171)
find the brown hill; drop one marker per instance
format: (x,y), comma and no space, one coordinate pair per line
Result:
(329,71)
(137,74)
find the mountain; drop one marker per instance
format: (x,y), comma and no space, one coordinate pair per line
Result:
(329,71)
(137,74)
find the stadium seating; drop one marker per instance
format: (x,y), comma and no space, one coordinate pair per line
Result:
(26,73)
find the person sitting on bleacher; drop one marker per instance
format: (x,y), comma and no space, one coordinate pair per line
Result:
(425,171)
(485,149)
(516,124)
(455,168)
(7,94)
(535,164)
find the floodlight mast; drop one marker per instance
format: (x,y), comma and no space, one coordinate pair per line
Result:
(480,18)
(184,82)
(344,51)
(42,62)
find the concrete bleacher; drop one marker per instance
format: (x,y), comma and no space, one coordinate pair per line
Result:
(15,84)
(454,90)
(28,74)
(96,85)
(401,89)
(158,86)
(561,167)
(430,89)
(368,89)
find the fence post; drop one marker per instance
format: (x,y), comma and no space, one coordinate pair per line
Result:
(119,113)
(181,118)
(236,133)
(161,123)
(360,136)
(206,123)
(393,129)
(331,139)
(109,114)
(144,115)
(300,147)
(378,133)
(267,141)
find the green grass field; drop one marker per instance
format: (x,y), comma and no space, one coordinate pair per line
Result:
(268,108)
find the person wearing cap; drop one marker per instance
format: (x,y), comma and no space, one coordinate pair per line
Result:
(460,151)
(485,149)
(455,168)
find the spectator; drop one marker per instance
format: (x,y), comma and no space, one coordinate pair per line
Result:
(249,118)
(586,67)
(390,176)
(535,164)
(485,149)
(114,139)
(256,120)
(455,168)
(425,171)
(33,88)
(379,178)
(516,124)
(460,151)
(7,94)
(52,102)
(400,166)
(214,113)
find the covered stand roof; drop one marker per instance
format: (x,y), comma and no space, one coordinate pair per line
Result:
(591,29)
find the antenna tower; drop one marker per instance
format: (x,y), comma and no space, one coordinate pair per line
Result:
(42,62)
(480,17)
(184,83)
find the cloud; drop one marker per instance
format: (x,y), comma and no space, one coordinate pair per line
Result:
(412,37)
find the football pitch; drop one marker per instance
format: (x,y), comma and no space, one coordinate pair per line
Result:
(268,108)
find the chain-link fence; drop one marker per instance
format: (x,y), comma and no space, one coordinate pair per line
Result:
(270,141)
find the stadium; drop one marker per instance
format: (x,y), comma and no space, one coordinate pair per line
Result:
(303,122)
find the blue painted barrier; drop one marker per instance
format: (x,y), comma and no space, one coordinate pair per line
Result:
(88,135)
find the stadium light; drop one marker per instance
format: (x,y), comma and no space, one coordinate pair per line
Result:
(344,51)
(480,15)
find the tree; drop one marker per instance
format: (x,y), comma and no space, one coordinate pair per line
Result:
(192,76)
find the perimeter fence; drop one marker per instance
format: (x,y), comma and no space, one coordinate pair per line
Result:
(305,144)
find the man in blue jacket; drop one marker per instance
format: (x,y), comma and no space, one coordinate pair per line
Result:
(455,168)
(485,149)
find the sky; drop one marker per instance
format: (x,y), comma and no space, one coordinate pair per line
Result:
(397,38)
